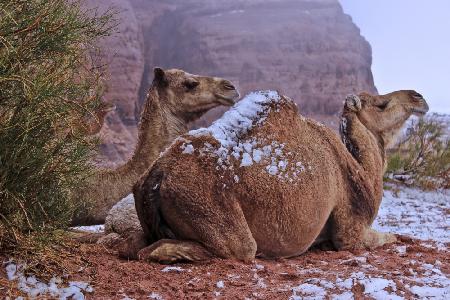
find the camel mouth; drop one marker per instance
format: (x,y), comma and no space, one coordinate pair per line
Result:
(420,111)
(227,101)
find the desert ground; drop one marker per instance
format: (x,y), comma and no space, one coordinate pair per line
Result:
(416,267)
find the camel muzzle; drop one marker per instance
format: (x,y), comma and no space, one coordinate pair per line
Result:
(420,111)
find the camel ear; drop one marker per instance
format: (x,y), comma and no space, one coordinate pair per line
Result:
(352,102)
(160,77)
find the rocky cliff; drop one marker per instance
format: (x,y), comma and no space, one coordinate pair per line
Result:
(309,50)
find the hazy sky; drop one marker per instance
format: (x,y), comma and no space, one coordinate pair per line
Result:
(410,45)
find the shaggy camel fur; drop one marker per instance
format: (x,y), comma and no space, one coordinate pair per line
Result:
(175,99)
(264,181)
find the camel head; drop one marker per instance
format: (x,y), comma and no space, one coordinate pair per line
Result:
(384,115)
(190,96)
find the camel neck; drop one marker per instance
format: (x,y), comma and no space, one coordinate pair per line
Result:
(368,151)
(158,127)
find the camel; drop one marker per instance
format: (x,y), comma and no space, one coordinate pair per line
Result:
(175,98)
(264,181)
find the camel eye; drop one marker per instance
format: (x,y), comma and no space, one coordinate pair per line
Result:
(382,106)
(417,96)
(191,84)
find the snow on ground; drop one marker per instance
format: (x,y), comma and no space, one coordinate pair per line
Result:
(418,214)
(402,271)
(415,213)
(172,269)
(92,228)
(34,288)
(431,287)
(430,284)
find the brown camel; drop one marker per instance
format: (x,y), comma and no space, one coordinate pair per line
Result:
(174,99)
(264,181)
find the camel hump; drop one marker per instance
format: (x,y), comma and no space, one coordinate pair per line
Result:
(148,205)
(252,111)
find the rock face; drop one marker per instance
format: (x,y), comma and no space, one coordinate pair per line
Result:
(123,53)
(309,50)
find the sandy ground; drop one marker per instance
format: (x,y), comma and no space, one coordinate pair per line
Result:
(413,268)
(406,269)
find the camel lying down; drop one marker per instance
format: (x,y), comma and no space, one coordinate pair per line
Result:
(174,99)
(264,181)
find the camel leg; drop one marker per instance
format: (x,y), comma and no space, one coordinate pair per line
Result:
(170,251)
(216,224)
(182,213)
(352,232)
(373,239)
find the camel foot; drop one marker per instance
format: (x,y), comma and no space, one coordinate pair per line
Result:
(171,251)
(374,239)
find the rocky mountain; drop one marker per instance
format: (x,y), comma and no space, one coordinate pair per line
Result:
(309,50)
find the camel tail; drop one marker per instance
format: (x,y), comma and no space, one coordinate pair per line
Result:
(148,205)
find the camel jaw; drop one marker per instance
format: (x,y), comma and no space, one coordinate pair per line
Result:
(227,101)
(420,112)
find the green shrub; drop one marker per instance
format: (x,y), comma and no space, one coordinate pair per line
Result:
(47,85)
(422,157)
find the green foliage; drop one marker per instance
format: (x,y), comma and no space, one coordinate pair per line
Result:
(47,85)
(422,157)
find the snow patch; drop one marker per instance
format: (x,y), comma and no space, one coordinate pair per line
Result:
(155,296)
(239,119)
(343,296)
(35,288)
(401,249)
(92,228)
(431,292)
(172,269)
(260,283)
(220,284)
(375,287)
(419,214)
(187,148)
(344,284)
(308,291)
(246,160)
